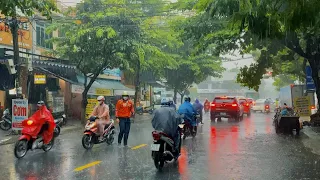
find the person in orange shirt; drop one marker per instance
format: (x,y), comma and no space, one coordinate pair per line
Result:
(124,110)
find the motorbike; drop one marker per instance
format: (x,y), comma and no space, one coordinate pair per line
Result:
(188,129)
(267,109)
(57,129)
(91,136)
(31,138)
(6,121)
(141,110)
(163,148)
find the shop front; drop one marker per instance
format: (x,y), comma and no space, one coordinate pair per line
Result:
(110,89)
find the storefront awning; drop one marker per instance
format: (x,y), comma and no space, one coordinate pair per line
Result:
(65,72)
(114,85)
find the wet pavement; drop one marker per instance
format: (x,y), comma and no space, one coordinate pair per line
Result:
(225,150)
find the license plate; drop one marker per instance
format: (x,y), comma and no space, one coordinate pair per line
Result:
(223,114)
(155,147)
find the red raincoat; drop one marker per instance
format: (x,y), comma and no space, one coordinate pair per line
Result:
(40,117)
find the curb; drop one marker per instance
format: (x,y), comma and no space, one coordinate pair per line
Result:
(64,130)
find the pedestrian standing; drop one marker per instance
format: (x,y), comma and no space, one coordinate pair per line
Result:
(124,110)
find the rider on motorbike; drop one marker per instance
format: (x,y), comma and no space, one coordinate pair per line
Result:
(187,109)
(198,107)
(102,112)
(167,120)
(44,116)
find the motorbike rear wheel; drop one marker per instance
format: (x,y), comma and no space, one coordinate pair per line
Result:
(158,161)
(21,148)
(4,125)
(57,131)
(110,139)
(48,147)
(87,141)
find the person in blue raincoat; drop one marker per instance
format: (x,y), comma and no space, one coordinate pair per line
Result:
(187,109)
(199,108)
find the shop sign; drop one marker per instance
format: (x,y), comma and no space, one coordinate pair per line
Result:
(92,91)
(103,92)
(19,113)
(39,79)
(24,33)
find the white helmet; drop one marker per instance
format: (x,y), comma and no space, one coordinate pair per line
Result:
(100,98)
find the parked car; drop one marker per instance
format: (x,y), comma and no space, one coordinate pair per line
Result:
(226,107)
(246,106)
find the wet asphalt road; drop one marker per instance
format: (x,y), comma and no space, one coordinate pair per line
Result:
(225,150)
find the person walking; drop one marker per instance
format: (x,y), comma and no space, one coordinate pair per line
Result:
(124,110)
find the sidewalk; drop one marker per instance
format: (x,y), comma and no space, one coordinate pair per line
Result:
(313,140)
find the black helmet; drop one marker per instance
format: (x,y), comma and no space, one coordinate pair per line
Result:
(187,99)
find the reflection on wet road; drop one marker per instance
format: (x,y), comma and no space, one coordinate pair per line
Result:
(225,150)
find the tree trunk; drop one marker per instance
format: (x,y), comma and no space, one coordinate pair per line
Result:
(175,95)
(182,95)
(85,93)
(315,77)
(14,31)
(137,85)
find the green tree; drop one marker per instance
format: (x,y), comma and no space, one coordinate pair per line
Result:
(102,39)
(28,7)
(270,26)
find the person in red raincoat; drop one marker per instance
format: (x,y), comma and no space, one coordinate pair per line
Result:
(44,116)
(206,105)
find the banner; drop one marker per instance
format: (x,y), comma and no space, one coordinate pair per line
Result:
(19,113)
(90,106)
(309,81)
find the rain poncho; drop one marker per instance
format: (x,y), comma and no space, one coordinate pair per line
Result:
(197,106)
(167,120)
(187,109)
(42,116)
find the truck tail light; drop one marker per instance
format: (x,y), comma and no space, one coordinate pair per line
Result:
(212,104)
(234,105)
(313,107)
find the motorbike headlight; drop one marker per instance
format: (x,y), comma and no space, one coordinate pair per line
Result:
(29,122)
(64,116)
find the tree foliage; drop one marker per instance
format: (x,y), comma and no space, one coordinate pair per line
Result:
(28,7)
(270,26)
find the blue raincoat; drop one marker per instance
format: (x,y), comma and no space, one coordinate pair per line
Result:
(197,106)
(187,109)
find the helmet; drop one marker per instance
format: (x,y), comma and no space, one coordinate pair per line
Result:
(100,98)
(187,99)
(165,102)
(125,93)
(40,103)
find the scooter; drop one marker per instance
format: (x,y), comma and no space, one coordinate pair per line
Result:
(163,148)
(31,138)
(188,129)
(267,109)
(6,121)
(91,136)
(57,129)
